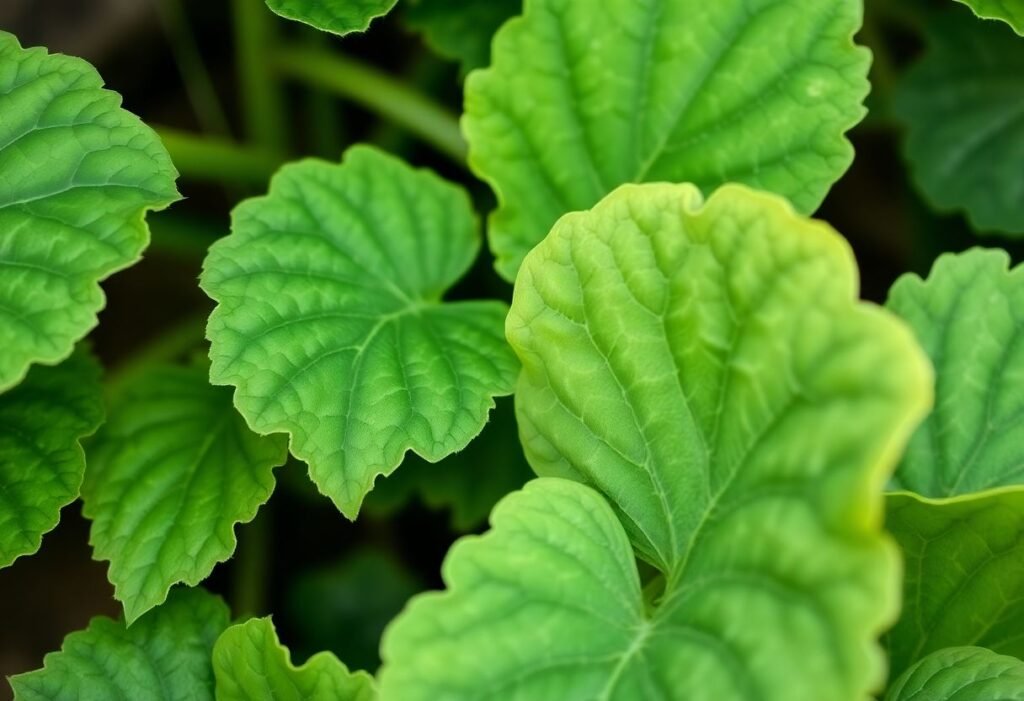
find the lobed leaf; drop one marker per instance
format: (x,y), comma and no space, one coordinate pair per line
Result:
(337,16)
(1009,11)
(42,421)
(77,176)
(165,656)
(170,474)
(250,663)
(965,125)
(461,30)
(961,674)
(706,367)
(577,102)
(331,326)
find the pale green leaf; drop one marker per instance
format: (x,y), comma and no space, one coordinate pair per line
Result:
(716,379)
(170,474)
(961,674)
(164,656)
(964,573)
(337,16)
(461,30)
(969,317)
(1010,11)
(963,104)
(41,461)
(77,175)
(578,101)
(250,663)
(331,325)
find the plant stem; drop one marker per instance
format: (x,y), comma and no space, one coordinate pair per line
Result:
(218,160)
(378,92)
(262,102)
(252,566)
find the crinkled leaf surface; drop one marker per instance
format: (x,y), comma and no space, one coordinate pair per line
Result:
(961,674)
(170,474)
(331,326)
(250,663)
(164,656)
(963,107)
(337,16)
(461,29)
(1010,11)
(969,317)
(964,580)
(77,175)
(577,102)
(41,462)
(715,378)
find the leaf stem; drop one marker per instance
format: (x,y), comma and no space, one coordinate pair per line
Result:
(252,566)
(262,101)
(210,158)
(378,92)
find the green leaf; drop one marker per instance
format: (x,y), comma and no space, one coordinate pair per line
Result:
(170,474)
(77,175)
(250,663)
(461,30)
(969,317)
(331,326)
(965,131)
(1010,11)
(964,581)
(338,16)
(41,461)
(961,674)
(165,656)
(717,380)
(577,102)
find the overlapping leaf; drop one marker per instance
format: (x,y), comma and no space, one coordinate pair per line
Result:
(250,663)
(170,474)
(461,29)
(41,461)
(962,105)
(1009,11)
(961,674)
(577,102)
(77,175)
(337,16)
(706,367)
(331,326)
(165,656)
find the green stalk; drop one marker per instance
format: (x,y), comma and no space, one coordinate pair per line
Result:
(377,92)
(214,159)
(252,566)
(262,102)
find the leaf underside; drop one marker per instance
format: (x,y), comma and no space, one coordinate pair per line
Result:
(577,102)
(330,322)
(1009,11)
(41,461)
(961,674)
(170,474)
(77,175)
(715,379)
(336,16)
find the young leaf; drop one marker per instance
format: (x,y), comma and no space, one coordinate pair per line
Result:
(1009,11)
(964,581)
(969,317)
(717,380)
(250,663)
(170,474)
(77,175)
(461,30)
(338,16)
(41,461)
(577,102)
(164,656)
(962,105)
(331,326)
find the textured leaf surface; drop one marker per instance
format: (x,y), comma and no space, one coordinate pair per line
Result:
(164,656)
(461,30)
(1010,11)
(716,379)
(250,663)
(337,16)
(77,174)
(41,461)
(963,107)
(170,474)
(969,317)
(964,581)
(577,102)
(961,674)
(331,326)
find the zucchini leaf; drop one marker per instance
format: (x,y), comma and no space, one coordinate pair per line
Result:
(1009,11)
(461,30)
(335,16)
(961,674)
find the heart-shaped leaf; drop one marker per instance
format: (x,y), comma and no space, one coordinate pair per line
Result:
(961,674)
